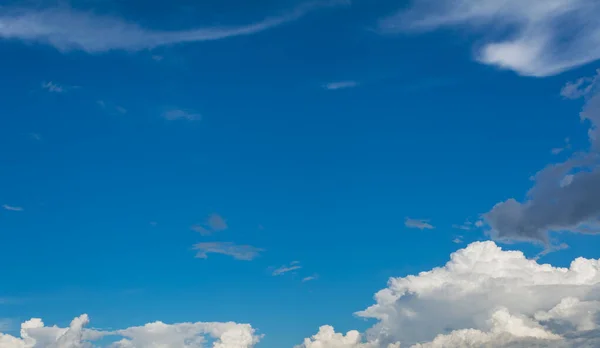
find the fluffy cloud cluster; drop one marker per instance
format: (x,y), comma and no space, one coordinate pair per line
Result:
(536,38)
(153,335)
(483,297)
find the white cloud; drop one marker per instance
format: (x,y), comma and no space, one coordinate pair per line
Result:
(53,87)
(483,297)
(153,335)
(418,223)
(286,268)
(12,208)
(340,85)
(238,252)
(309,278)
(71,29)
(534,38)
(179,114)
(457,240)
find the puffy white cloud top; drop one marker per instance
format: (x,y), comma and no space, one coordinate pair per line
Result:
(483,297)
(153,335)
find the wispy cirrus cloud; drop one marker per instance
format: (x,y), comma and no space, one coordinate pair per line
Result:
(180,114)
(340,85)
(287,268)
(420,224)
(111,108)
(309,278)
(468,225)
(70,29)
(238,252)
(12,207)
(533,38)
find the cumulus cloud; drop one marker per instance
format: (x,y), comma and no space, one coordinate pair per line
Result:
(421,224)
(565,196)
(340,85)
(483,297)
(238,252)
(70,29)
(153,335)
(534,38)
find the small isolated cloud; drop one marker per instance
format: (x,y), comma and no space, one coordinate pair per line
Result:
(178,114)
(482,297)
(52,87)
(558,150)
(217,223)
(214,223)
(418,223)
(201,229)
(457,240)
(157,58)
(309,278)
(565,196)
(340,85)
(286,268)
(35,136)
(69,29)
(533,38)
(12,207)
(157,334)
(238,252)
(111,108)
(468,225)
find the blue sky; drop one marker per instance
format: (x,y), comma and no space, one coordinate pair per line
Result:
(343,140)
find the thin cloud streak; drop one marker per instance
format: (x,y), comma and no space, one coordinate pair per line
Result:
(340,85)
(238,252)
(285,269)
(420,224)
(178,114)
(11,208)
(309,278)
(70,29)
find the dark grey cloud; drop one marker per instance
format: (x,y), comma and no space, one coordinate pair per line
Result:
(566,195)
